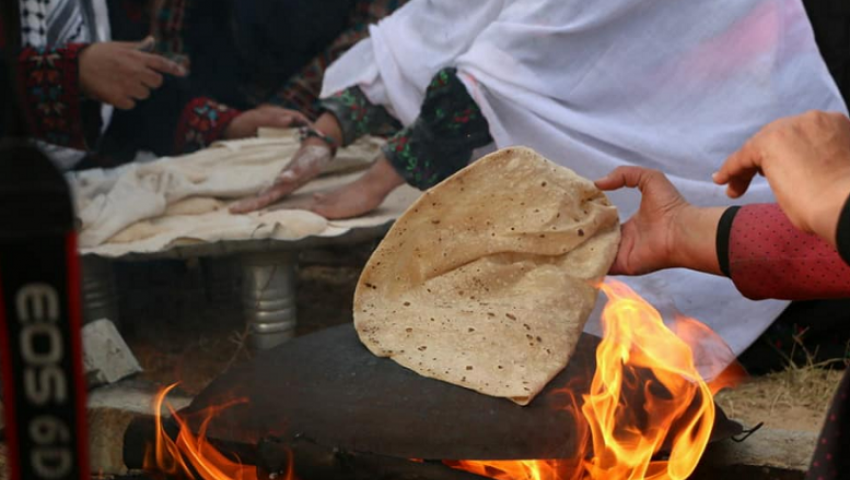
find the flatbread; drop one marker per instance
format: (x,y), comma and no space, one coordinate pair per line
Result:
(487,281)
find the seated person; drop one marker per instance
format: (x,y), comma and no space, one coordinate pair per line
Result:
(591,87)
(497,75)
(69,72)
(796,249)
(246,54)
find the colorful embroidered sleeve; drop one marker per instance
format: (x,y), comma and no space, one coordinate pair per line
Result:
(441,141)
(54,105)
(202,122)
(301,92)
(357,116)
(767,257)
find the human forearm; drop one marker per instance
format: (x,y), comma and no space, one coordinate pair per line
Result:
(694,239)
(382,178)
(768,257)
(443,138)
(328,125)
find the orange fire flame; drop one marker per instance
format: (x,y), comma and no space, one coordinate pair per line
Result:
(627,424)
(192,456)
(631,423)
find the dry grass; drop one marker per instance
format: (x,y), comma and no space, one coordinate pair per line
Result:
(794,399)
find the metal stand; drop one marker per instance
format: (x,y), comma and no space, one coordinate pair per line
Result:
(268,297)
(100,299)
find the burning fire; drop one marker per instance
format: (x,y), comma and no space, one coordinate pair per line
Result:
(192,456)
(631,424)
(628,424)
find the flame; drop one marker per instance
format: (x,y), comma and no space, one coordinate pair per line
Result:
(632,423)
(624,422)
(191,456)
(714,359)
(514,470)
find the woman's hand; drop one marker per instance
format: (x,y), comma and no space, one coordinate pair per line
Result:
(806,160)
(667,231)
(122,73)
(308,162)
(248,123)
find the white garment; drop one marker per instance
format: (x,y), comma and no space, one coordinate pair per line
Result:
(668,84)
(96,28)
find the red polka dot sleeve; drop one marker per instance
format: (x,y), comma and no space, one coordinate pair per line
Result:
(769,258)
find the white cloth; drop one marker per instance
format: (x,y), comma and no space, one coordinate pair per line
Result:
(151,207)
(673,85)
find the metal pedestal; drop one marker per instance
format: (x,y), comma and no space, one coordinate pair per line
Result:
(268,269)
(100,297)
(268,297)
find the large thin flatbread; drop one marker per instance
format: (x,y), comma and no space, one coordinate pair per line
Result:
(488,279)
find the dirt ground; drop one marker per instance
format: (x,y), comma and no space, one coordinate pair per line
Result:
(195,340)
(796,399)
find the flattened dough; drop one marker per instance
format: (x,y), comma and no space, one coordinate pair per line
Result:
(488,279)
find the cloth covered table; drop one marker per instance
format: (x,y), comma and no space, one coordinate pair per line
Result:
(151,207)
(177,208)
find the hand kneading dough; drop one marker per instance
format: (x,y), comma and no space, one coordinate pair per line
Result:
(486,281)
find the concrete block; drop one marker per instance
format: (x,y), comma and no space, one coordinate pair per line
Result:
(110,411)
(106,356)
(766,455)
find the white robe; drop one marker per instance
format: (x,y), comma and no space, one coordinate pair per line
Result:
(668,84)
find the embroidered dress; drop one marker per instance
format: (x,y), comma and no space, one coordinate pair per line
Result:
(53,34)
(172,121)
(440,141)
(179,117)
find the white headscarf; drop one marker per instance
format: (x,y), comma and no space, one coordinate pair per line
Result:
(668,84)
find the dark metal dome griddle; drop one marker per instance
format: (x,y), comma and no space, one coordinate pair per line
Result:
(328,388)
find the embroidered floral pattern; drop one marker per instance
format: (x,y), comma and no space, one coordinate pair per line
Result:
(50,81)
(202,123)
(418,172)
(441,141)
(357,116)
